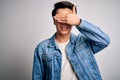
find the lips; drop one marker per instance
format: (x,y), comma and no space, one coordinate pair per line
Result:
(63,28)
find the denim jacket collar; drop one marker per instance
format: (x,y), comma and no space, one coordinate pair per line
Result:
(53,44)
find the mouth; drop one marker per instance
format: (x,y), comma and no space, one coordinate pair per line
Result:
(64,27)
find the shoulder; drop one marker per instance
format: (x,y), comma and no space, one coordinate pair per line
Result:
(40,48)
(77,38)
(81,37)
(43,43)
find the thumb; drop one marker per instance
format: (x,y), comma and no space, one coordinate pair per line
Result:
(74,10)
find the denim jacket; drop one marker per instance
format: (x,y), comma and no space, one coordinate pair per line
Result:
(80,53)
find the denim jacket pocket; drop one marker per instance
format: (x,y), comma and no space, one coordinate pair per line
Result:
(47,62)
(46,57)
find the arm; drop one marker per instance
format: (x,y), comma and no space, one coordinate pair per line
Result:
(98,39)
(37,67)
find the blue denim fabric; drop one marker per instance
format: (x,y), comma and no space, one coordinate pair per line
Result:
(80,53)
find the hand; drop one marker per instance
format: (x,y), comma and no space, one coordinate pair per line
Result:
(71,19)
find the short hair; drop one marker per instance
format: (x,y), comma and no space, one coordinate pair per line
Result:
(62,4)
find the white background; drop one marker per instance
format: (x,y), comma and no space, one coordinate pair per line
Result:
(25,23)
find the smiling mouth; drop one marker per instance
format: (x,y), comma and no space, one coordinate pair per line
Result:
(64,28)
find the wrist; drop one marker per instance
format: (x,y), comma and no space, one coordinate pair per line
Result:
(79,21)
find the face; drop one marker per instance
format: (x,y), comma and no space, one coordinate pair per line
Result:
(62,28)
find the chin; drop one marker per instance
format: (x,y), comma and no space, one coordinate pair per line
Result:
(65,33)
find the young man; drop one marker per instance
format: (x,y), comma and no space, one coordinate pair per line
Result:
(66,56)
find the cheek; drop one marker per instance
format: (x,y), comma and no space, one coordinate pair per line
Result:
(57,26)
(70,28)
(55,22)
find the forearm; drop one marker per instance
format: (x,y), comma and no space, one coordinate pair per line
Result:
(93,33)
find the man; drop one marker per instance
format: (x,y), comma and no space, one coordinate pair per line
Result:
(66,56)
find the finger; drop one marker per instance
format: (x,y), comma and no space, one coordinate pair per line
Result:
(62,21)
(61,15)
(55,17)
(74,10)
(60,18)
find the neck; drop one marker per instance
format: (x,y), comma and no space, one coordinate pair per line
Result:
(62,38)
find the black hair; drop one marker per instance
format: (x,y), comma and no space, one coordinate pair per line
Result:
(62,4)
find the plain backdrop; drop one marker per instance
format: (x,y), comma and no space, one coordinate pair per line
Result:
(25,23)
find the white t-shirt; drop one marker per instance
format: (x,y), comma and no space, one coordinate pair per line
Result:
(66,70)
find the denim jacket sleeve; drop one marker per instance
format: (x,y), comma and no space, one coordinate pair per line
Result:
(37,66)
(98,39)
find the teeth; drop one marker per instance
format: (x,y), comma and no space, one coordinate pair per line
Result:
(64,28)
